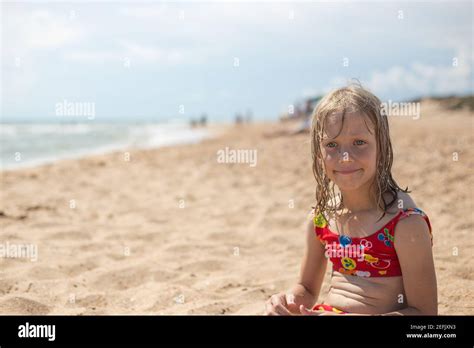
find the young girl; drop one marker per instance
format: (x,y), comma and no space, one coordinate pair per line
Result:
(378,241)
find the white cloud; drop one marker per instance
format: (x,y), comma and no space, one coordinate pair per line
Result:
(417,78)
(47,30)
(228,21)
(87,56)
(25,33)
(426,79)
(153,54)
(135,52)
(143,11)
(29,30)
(19,82)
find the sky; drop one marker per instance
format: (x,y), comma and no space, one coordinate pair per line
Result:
(177,60)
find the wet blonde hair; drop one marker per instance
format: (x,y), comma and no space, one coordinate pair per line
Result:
(353,98)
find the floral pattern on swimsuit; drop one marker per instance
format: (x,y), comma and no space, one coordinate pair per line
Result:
(371,256)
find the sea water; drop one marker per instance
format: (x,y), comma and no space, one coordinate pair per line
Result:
(30,144)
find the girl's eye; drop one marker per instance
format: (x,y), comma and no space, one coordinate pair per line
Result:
(331,144)
(359,142)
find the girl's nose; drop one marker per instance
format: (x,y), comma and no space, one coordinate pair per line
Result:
(345,157)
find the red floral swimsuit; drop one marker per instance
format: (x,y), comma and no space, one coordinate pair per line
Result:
(371,256)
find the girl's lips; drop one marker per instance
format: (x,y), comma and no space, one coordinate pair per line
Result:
(346,172)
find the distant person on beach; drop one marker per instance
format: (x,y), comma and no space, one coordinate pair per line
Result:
(239,119)
(203,120)
(377,239)
(304,126)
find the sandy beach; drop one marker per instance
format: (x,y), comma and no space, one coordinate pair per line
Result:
(174,231)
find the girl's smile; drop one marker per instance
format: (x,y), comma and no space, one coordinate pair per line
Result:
(346,172)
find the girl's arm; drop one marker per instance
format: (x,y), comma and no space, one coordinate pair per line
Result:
(313,267)
(413,246)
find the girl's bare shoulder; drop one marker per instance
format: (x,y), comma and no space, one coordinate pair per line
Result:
(403,201)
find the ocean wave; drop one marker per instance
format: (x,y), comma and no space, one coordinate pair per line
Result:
(34,144)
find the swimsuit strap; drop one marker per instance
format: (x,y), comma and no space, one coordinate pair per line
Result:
(321,222)
(318,220)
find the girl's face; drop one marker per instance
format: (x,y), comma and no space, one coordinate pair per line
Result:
(349,154)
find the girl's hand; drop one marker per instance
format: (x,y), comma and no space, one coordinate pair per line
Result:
(281,304)
(307,311)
